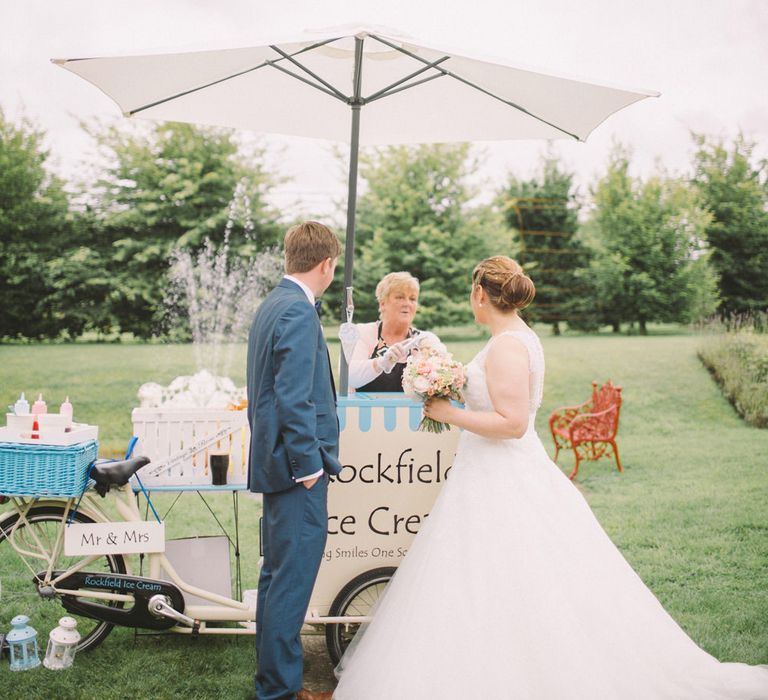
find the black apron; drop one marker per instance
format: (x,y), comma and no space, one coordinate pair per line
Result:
(394,380)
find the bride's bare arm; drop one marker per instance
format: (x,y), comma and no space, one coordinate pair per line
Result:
(506,369)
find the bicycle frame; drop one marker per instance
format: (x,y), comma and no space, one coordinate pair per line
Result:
(221,609)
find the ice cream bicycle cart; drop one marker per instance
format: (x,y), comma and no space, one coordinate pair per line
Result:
(63,545)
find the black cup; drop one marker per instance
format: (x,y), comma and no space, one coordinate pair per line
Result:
(219,467)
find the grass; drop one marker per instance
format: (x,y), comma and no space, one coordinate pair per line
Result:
(688,512)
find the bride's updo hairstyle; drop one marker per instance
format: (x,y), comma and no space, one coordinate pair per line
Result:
(507,286)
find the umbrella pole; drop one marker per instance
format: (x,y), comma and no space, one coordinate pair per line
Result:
(349,246)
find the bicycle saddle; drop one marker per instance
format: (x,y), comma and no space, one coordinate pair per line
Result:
(108,474)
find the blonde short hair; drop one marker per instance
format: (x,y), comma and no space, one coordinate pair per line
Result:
(394,282)
(307,245)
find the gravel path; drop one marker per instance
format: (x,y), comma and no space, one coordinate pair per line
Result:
(318,671)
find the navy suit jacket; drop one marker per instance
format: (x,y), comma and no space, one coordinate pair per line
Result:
(291,399)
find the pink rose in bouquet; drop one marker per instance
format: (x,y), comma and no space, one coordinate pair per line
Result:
(431,372)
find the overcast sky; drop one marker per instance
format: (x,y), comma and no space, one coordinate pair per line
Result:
(708,58)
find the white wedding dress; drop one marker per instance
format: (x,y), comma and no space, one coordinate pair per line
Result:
(513,591)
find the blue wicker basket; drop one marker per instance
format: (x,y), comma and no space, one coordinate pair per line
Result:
(45,470)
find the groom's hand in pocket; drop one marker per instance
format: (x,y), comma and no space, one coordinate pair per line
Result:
(309,483)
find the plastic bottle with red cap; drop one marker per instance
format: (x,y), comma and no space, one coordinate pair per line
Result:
(38,408)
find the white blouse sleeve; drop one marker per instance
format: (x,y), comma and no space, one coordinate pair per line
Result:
(361,368)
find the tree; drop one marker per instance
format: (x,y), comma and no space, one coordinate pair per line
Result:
(647,237)
(734,190)
(80,283)
(415,216)
(38,233)
(170,187)
(544,211)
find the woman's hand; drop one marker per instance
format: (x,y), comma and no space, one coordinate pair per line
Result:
(441,410)
(394,354)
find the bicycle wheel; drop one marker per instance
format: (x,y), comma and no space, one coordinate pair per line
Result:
(355,600)
(23,593)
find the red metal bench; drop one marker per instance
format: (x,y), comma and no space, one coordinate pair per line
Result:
(589,429)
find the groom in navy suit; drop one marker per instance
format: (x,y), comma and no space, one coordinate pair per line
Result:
(294,447)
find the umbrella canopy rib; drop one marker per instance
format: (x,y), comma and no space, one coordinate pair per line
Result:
(469,83)
(320,80)
(332,92)
(512,104)
(405,87)
(169,98)
(390,89)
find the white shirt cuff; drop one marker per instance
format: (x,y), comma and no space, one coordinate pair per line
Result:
(311,476)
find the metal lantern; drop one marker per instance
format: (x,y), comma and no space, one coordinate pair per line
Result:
(62,645)
(22,644)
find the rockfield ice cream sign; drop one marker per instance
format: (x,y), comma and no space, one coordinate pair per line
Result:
(392,474)
(384,471)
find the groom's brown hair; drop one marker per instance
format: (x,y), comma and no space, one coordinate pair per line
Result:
(307,245)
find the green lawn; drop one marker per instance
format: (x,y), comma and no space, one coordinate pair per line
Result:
(689,512)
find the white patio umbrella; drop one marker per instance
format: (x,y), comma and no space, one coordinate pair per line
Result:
(317,84)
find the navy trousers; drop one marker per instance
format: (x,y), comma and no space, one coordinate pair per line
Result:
(294,529)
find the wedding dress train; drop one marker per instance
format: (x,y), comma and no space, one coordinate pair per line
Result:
(512,590)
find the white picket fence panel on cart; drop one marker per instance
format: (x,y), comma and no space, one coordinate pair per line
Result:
(184,438)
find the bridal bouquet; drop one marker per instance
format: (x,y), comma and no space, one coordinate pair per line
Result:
(432,373)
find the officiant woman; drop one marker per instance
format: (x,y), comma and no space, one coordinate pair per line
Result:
(379,357)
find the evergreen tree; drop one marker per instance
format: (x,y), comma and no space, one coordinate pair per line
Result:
(415,216)
(169,187)
(734,190)
(545,213)
(38,235)
(647,237)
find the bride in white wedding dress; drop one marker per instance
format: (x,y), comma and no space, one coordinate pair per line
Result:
(512,590)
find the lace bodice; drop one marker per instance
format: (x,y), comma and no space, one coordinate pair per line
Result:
(476,392)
